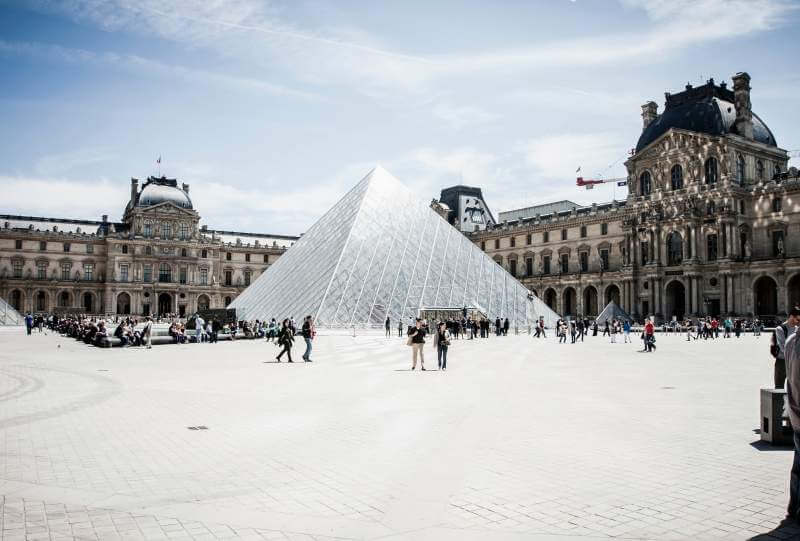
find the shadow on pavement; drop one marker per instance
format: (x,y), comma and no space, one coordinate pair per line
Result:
(766,446)
(788,529)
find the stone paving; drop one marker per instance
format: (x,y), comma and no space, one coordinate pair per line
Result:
(519,439)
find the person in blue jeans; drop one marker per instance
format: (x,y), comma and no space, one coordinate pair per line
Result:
(308,333)
(29,323)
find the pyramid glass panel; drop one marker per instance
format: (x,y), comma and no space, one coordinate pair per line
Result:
(382,252)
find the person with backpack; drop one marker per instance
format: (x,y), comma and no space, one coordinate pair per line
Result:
(777,345)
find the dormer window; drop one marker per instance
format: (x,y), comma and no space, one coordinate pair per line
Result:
(711,171)
(645,183)
(676,177)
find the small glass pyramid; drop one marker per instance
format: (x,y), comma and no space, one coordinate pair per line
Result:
(382,252)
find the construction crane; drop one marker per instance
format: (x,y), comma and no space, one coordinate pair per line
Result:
(589,183)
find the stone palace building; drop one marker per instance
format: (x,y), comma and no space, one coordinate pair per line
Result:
(710,225)
(157,260)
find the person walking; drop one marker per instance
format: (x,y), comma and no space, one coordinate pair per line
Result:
(400,328)
(28,323)
(198,328)
(778,346)
(626,331)
(442,342)
(581,329)
(614,330)
(606,329)
(649,336)
(388,326)
(506,326)
(309,331)
(147,332)
(285,340)
(792,369)
(416,339)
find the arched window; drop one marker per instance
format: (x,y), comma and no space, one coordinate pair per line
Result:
(164,273)
(645,183)
(760,170)
(676,175)
(740,169)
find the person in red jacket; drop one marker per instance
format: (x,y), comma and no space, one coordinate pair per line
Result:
(649,336)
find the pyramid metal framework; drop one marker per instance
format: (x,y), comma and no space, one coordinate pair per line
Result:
(9,316)
(381,251)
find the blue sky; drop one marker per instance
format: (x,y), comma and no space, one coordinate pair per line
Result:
(272,110)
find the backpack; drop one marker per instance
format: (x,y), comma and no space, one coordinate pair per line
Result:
(774,349)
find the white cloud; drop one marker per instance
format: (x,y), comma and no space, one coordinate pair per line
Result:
(462,116)
(251,31)
(58,164)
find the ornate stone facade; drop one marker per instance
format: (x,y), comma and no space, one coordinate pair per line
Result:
(710,225)
(157,260)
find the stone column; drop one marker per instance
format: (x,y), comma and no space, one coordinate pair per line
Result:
(723,294)
(659,296)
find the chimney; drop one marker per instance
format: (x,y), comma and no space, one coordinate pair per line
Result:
(649,113)
(185,187)
(134,189)
(741,97)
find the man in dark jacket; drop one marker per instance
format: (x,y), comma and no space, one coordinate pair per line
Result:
(308,332)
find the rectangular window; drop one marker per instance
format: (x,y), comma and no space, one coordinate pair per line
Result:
(42,245)
(512,267)
(165,230)
(123,273)
(66,247)
(90,249)
(513,241)
(604,259)
(247,275)
(183,272)
(18,244)
(247,257)
(528,239)
(496,244)
(164,273)
(546,236)
(148,250)
(228,278)
(228,256)
(203,277)
(711,243)
(583,231)
(584,261)
(17,268)
(777,244)
(776,204)
(184,231)
(88,271)
(65,268)
(528,266)
(564,263)
(483,245)
(41,270)
(148,273)
(266,258)
(124,248)
(604,229)
(563,234)
(546,264)
(148,230)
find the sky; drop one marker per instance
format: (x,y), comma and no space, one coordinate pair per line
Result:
(271,111)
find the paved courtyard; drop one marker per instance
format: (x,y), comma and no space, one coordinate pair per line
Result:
(519,439)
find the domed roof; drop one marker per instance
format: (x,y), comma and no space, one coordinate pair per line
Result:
(163,190)
(705,109)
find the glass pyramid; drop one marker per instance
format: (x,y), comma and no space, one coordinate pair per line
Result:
(381,251)
(9,316)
